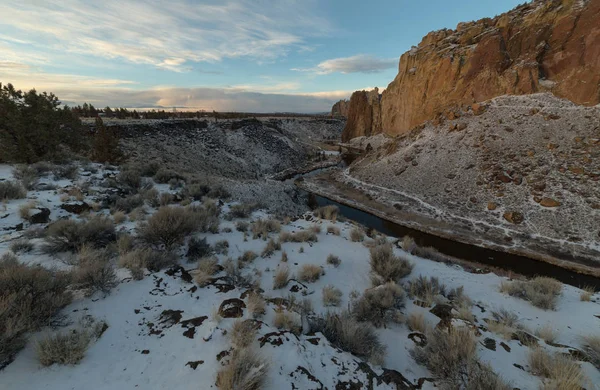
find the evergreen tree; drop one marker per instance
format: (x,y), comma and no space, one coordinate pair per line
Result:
(106,143)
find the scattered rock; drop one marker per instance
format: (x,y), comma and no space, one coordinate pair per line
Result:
(513,217)
(42,216)
(76,208)
(549,202)
(232,308)
(492,206)
(195,364)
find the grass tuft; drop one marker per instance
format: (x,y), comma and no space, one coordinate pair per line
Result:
(541,291)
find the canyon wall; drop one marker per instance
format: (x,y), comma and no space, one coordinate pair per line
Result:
(340,109)
(543,46)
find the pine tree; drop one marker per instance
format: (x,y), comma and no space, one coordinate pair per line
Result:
(106,143)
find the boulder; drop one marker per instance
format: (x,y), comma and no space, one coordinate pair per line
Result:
(232,308)
(549,202)
(42,216)
(514,217)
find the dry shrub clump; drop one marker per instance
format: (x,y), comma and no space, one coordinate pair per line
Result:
(221,247)
(153,260)
(281,278)
(168,226)
(591,347)
(386,267)
(27,174)
(587,293)
(164,176)
(22,245)
(247,258)
(541,291)
(270,248)
(246,370)
(197,249)
(241,210)
(357,235)
(119,217)
(242,226)
(12,190)
(68,348)
(562,371)
(334,260)
(451,356)
(286,320)
(327,212)
(129,203)
(25,210)
(331,296)
(242,333)
(344,332)
(262,228)
(379,304)
(309,273)
(256,305)
(426,289)
(301,236)
(546,333)
(331,229)
(504,323)
(29,297)
(67,235)
(207,267)
(408,244)
(416,322)
(94,271)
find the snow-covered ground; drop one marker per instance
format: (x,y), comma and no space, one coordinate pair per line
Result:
(142,350)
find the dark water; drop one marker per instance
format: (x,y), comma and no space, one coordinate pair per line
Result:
(518,264)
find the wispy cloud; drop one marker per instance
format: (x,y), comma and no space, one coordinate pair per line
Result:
(169,35)
(356,64)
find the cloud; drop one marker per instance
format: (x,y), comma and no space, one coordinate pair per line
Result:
(169,35)
(356,64)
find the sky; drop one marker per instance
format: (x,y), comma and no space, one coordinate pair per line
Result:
(225,55)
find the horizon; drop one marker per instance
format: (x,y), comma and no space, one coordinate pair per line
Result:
(290,56)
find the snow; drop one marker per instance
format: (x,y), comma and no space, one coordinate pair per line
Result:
(116,361)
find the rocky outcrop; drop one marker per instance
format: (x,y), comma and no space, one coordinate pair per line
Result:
(340,109)
(544,46)
(364,115)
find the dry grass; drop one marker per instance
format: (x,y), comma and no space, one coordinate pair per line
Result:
(12,190)
(334,260)
(301,236)
(344,332)
(331,229)
(221,247)
(380,304)
(138,214)
(241,211)
(562,372)
(67,235)
(119,217)
(286,320)
(22,245)
(281,278)
(256,305)
(242,226)
(27,174)
(262,228)
(270,248)
(546,333)
(247,258)
(357,235)
(25,210)
(29,297)
(284,257)
(331,296)
(327,212)
(504,323)
(246,370)
(207,267)
(386,267)
(309,273)
(416,322)
(587,293)
(426,289)
(242,333)
(94,271)
(541,291)
(153,260)
(591,347)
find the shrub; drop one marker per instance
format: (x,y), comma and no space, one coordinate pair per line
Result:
(357,235)
(286,320)
(541,291)
(386,267)
(27,174)
(129,203)
(344,332)
(197,249)
(327,212)
(504,322)
(334,260)
(165,199)
(234,274)
(67,171)
(309,273)
(591,347)
(256,305)
(262,228)
(67,235)
(242,333)
(587,293)
(301,236)
(94,271)
(29,297)
(379,304)
(281,278)
(21,245)
(247,257)
(331,296)
(416,322)
(168,226)
(196,191)
(562,371)
(119,217)
(546,333)
(151,197)
(408,244)
(207,267)
(331,229)
(426,289)
(241,210)
(163,176)
(25,210)
(246,371)
(222,247)
(12,190)
(241,226)
(130,179)
(284,257)
(270,248)
(219,192)
(153,260)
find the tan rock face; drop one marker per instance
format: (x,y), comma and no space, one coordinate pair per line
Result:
(340,109)
(545,46)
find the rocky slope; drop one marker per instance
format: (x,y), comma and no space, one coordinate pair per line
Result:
(527,164)
(543,46)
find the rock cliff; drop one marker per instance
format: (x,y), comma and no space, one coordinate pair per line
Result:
(543,46)
(340,109)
